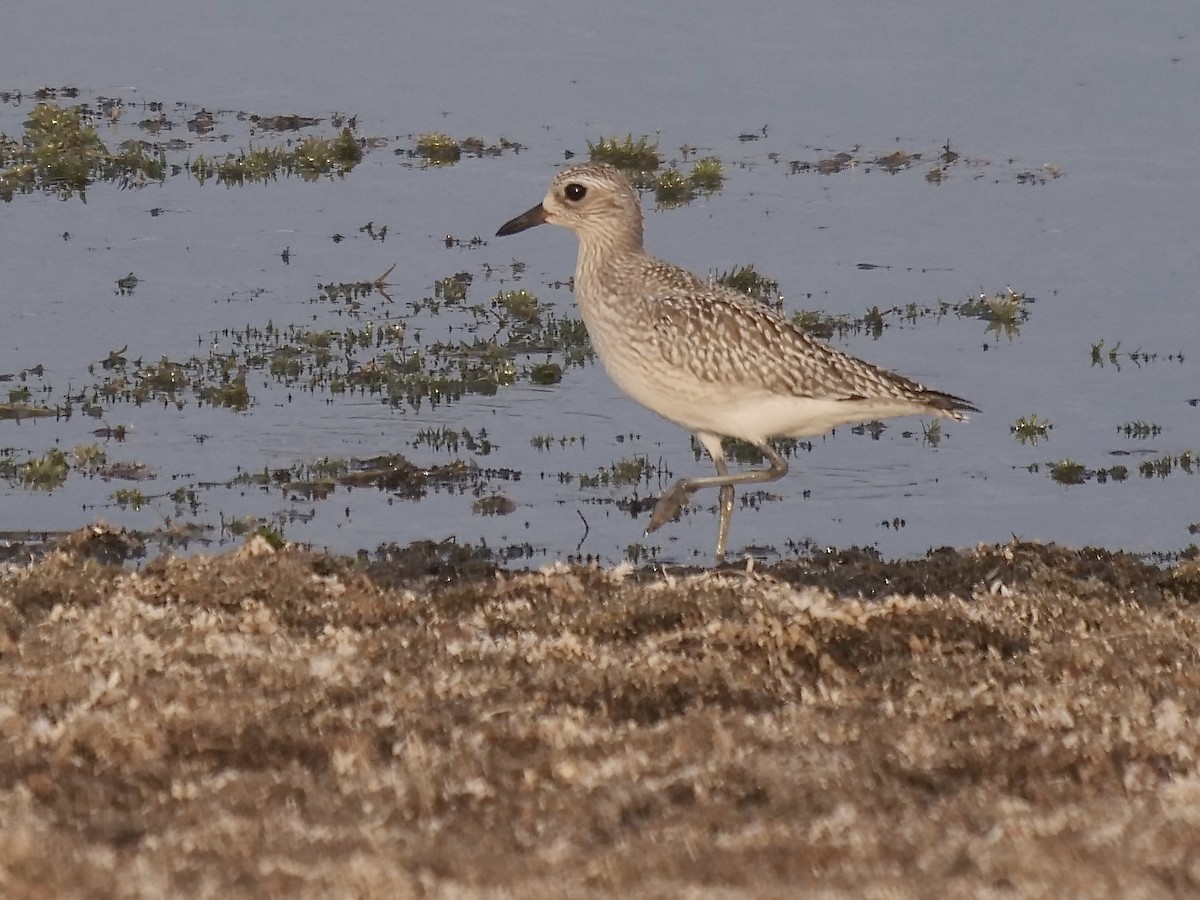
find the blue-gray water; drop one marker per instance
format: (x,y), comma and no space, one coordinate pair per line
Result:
(1103,93)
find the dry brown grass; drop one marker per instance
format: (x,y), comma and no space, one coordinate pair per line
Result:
(1015,722)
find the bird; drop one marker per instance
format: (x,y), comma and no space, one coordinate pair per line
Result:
(710,359)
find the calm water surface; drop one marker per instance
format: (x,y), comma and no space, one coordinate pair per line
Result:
(1101,92)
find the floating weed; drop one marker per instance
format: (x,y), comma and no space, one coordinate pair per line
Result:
(544,442)
(626,472)
(46,472)
(451,441)
(672,189)
(546,373)
(129,497)
(493,505)
(59,153)
(392,473)
(1164,465)
(89,457)
(316,156)
(631,155)
(231,393)
(1139,430)
(439,148)
(639,554)
(438,354)
(310,159)
(1067,471)
(1139,357)
(126,471)
(1004,312)
(376,235)
(521,305)
(746,280)
(20,394)
(707,175)
(896,161)
(1030,430)
(931,434)
(453,288)
(875,320)
(163,377)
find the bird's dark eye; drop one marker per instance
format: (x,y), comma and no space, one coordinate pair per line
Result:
(575,192)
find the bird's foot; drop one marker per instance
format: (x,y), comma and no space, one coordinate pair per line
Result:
(669,505)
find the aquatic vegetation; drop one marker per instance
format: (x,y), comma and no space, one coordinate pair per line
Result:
(89,457)
(546,373)
(493,505)
(439,148)
(635,156)
(311,159)
(746,280)
(707,175)
(453,288)
(452,441)
(673,188)
(520,305)
(129,497)
(1139,430)
(1067,471)
(1139,358)
(896,161)
(1004,312)
(1030,430)
(931,434)
(623,473)
(45,472)
(61,153)
(544,442)
(1163,466)
(892,162)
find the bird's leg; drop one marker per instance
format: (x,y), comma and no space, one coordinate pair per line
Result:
(724,509)
(671,502)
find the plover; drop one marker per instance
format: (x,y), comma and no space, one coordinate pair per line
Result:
(704,356)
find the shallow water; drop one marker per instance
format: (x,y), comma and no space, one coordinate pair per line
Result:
(1102,93)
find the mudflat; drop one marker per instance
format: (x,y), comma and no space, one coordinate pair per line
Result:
(1013,720)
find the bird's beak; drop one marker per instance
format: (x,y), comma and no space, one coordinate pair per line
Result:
(527,219)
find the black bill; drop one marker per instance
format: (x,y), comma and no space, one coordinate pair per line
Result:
(527,219)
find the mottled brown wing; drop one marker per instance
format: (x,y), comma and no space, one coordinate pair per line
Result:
(722,338)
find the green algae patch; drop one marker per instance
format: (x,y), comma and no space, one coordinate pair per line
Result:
(437,148)
(1031,429)
(634,156)
(61,153)
(46,472)
(311,159)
